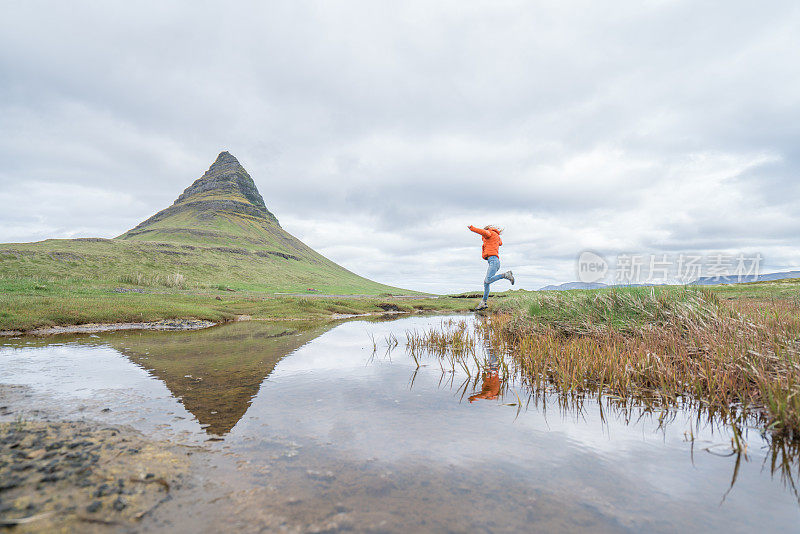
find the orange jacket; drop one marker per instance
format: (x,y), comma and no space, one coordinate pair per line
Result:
(491,241)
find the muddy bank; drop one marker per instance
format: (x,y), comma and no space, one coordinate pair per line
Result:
(92,328)
(81,476)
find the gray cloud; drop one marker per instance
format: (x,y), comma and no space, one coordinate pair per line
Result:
(664,125)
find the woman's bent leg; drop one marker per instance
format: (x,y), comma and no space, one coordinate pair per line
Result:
(496,277)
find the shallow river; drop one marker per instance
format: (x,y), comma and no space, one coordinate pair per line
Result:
(306,427)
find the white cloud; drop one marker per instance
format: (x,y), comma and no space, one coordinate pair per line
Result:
(624,128)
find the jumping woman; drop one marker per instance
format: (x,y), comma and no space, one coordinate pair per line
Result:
(491,243)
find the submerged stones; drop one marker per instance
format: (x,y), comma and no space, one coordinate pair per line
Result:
(82,471)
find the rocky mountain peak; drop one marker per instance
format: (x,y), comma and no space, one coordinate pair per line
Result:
(224,190)
(225,178)
(224,159)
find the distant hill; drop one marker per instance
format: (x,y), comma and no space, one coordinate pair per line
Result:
(704,281)
(218,232)
(566,286)
(713,280)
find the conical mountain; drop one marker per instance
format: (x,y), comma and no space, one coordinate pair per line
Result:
(222,221)
(222,207)
(218,234)
(226,187)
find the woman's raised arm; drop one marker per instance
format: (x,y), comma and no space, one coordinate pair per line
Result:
(484,233)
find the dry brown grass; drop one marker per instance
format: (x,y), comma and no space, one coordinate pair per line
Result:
(731,359)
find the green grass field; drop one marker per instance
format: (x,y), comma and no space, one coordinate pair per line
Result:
(61,282)
(27,303)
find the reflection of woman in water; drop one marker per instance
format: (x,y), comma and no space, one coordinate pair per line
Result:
(491,376)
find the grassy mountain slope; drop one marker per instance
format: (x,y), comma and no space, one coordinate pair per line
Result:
(218,232)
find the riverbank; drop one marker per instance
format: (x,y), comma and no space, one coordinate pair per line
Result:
(30,304)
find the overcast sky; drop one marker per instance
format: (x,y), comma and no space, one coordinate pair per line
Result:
(376,132)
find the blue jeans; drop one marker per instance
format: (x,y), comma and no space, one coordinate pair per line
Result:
(491,274)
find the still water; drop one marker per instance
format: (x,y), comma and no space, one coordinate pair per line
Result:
(307,428)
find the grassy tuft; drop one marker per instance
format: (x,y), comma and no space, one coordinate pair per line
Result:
(176,280)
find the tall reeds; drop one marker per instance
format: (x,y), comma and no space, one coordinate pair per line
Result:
(668,347)
(456,346)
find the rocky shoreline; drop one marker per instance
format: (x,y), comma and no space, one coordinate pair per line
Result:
(92,328)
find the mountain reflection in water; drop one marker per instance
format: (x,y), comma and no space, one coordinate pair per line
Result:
(215,373)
